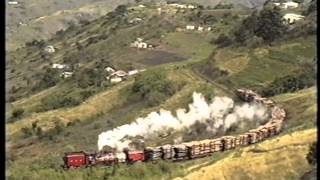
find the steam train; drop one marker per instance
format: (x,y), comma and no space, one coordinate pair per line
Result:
(188,150)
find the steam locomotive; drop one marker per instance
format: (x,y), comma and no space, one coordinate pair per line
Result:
(188,150)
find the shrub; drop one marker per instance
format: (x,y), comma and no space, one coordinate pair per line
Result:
(269,24)
(27,132)
(290,83)
(39,132)
(254,42)
(222,41)
(11,98)
(48,79)
(312,154)
(17,113)
(152,86)
(207,92)
(266,25)
(63,99)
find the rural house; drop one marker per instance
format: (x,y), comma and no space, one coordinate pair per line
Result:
(135,20)
(12,2)
(289,5)
(140,44)
(59,66)
(50,49)
(132,72)
(190,27)
(66,74)
(110,70)
(117,76)
(290,18)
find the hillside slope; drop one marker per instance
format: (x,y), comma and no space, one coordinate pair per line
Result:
(33,20)
(281,158)
(50,115)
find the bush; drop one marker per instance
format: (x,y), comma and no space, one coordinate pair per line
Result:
(266,25)
(64,99)
(27,132)
(222,41)
(48,79)
(39,133)
(254,42)
(223,6)
(290,83)
(17,113)
(207,92)
(152,86)
(269,24)
(312,154)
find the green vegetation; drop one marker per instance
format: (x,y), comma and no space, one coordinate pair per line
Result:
(267,24)
(312,154)
(223,6)
(55,115)
(290,83)
(222,41)
(17,113)
(153,87)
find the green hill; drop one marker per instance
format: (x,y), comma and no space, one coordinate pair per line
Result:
(50,115)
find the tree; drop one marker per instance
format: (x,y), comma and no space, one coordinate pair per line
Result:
(121,10)
(222,41)
(153,87)
(17,113)
(312,155)
(269,24)
(246,29)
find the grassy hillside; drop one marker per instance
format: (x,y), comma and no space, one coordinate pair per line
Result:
(61,115)
(283,157)
(36,19)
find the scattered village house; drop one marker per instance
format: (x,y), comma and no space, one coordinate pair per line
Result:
(200,28)
(117,76)
(290,18)
(182,6)
(66,74)
(287,5)
(140,44)
(132,72)
(135,20)
(110,70)
(190,27)
(277,4)
(50,49)
(12,2)
(191,6)
(59,66)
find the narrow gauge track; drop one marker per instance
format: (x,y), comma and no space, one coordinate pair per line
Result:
(187,150)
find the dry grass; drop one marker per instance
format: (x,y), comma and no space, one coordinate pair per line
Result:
(284,159)
(90,108)
(231,61)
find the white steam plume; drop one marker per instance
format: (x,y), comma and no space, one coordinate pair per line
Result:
(221,113)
